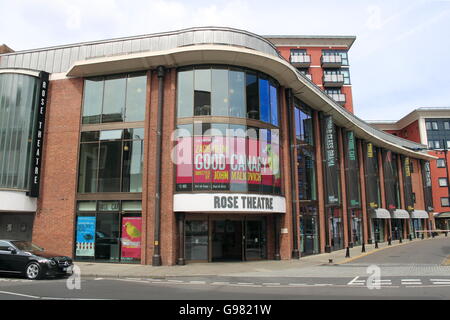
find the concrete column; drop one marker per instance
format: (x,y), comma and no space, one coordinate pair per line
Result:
(387,224)
(401,183)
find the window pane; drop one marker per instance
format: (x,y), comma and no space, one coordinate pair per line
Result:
(111,134)
(237,94)
(107,237)
(93,97)
(87,206)
(202,92)
(196,245)
(133,162)
(428,125)
(90,136)
(219,92)
(87,175)
(434,125)
(185,89)
(273,105)
(136,89)
(298,128)
(252,96)
(264,100)
(110,166)
(114,101)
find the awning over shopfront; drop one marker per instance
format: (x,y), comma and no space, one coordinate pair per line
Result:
(442,215)
(400,214)
(419,214)
(380,214)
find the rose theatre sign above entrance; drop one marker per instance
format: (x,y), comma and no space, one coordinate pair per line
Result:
(228,202)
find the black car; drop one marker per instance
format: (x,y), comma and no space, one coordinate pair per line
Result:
(24,257)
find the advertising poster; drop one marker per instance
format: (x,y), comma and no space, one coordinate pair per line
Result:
(371,173)
(254,170)
(406,162)
(184,164)
(238,165)
(220,168)
(202,163)
(352,172)
(274,162)
(131,238)
(331,161)
(266,152)
(85,237)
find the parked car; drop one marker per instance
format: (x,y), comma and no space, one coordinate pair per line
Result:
(26,258)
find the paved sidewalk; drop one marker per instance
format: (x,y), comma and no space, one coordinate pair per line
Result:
(111,270)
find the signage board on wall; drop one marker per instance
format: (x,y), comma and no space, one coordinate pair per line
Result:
(228,202)
(35,174)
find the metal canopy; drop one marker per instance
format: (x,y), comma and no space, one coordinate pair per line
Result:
(380,214)
(400,214)
(419,214)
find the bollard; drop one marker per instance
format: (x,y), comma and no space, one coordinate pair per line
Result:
(410,237)
(432,234)
(330,260)
(347,253)
(446,233)
(423,235)
(376,244)
(363,248)
(389,241)
(401,240)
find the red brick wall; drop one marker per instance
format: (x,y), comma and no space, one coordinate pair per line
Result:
(54,222)
(436,173)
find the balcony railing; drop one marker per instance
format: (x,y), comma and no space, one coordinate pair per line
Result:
(333,80)
(301,61)
(338,97)
(331,61)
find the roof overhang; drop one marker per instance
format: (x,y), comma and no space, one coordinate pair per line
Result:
(419,214)
(275,66)
(380,214)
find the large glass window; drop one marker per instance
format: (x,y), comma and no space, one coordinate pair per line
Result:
(227,92)
(119,98)
(18,103)
(111,161)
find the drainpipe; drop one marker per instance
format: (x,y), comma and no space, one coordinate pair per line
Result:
(294,193)
(156,260)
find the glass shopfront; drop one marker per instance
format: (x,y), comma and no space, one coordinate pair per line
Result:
(336,228)
(108,231)
(356,226)
(217,238)
(378,229)
(309,230)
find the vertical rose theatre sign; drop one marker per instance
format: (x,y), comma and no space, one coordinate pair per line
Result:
(38,138)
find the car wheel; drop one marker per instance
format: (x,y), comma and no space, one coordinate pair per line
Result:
(33,271)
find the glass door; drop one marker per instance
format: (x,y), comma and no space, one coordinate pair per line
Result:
(255,239)
(196,240)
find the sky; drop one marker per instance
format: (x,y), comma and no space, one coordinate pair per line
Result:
(399,61)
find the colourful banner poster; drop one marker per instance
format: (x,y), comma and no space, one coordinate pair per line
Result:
(220,168)
(266,154)
(238,164)
(274,161)
(184,164)
(202,163)
(254,167)
(85,237)
(131,238)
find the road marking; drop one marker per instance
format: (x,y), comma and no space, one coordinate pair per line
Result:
(197,282)
(271,284)
(96,279)
(175,281)
(219,283)
(355,281)
(411,281)
(19,294)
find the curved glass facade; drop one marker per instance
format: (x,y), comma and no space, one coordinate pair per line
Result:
(18,94)
(227,92)
(227,157)
(222,153)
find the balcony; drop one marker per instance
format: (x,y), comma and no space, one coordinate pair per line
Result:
(338,97)
(301,61)
(331,61)
(333,80)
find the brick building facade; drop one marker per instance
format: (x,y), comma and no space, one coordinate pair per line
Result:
(203,144)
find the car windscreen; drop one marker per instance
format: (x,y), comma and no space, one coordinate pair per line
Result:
(26,246)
